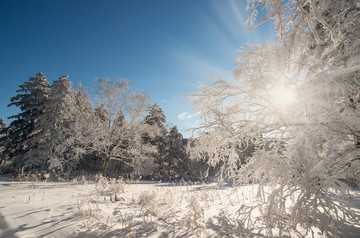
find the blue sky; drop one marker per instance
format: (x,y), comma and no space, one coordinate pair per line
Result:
(163,47)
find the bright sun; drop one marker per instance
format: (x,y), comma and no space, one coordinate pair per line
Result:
(282,96)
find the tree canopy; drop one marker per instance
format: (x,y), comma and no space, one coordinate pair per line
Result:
(297,100)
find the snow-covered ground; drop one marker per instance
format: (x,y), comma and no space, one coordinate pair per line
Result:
(121,209)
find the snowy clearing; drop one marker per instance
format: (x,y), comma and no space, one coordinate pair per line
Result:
(114,208)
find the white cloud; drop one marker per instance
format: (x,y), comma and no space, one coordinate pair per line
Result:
(184,116)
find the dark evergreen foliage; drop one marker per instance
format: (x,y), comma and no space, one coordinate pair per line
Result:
(31,100)
(176,160)
(3,140)
(156,135)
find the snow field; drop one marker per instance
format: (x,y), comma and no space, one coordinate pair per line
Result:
(117,208)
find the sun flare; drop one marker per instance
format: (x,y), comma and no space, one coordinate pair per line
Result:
(283,96)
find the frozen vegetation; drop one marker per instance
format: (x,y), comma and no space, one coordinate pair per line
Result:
(120,208)
(284,131)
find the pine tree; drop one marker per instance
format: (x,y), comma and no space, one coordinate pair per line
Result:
(2,124)
(60,105)
(176,161)
(83,112)
(82,104)
(3,140)
(100,114)
(156,117)
(22,131)
(156,135)
(83,117)
(57,125)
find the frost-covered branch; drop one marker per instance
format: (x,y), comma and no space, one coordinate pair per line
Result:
(296,101)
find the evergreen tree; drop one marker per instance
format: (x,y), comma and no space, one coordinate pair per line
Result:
(57,125)
(3,138)
(83,113)
(82,118)
(156,135)
(2,124)
(60,105)
(83,105)
(176,161)
(100,114)
(22,130)
(156,117)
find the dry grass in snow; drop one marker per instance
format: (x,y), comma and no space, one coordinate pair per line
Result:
(114,208)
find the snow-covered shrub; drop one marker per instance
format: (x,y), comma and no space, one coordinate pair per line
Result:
(147,198)
(102,182)
(117,186)
(194,219)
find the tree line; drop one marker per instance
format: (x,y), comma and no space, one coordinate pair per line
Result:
(59,130)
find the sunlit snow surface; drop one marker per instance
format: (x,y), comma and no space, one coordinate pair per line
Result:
(83,208)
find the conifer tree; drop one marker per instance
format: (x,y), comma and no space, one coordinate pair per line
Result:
(3,139)
(2,124)
(57,124)
(82,118)
(156,135)
(82,103)
(100,114)
(176,161)
(156,117)
(22,131)
(83,115)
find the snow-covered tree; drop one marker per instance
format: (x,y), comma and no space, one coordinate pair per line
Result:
(211,160)
(176,160)
(3,139)
(155,134)
(2,124)
(82,103)
(100,113)
(78,150)
(156,116)
(57,126)
(297,101)
(82,117)
(114,132)
(23,131)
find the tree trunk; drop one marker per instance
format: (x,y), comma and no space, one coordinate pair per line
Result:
(105,166)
